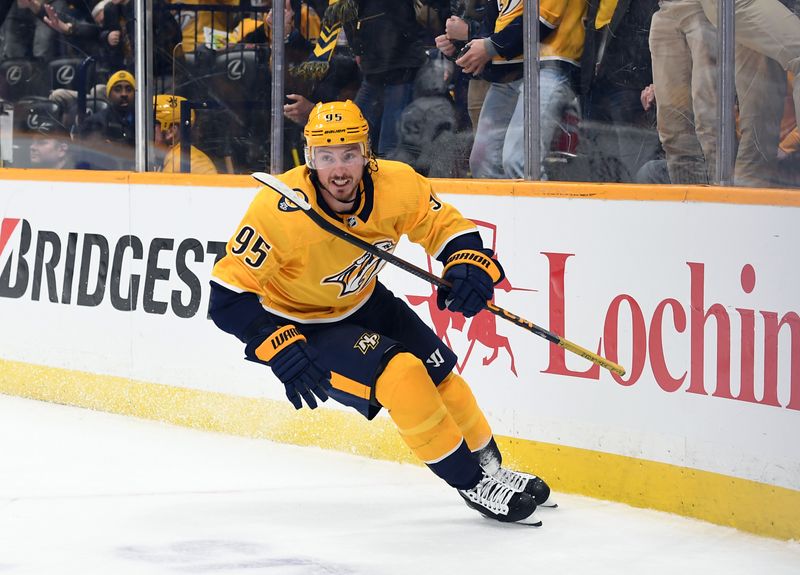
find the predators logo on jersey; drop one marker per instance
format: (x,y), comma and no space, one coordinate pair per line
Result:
(286,205)
(368,341)
(360,273)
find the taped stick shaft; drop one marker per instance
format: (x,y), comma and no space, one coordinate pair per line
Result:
(288,193)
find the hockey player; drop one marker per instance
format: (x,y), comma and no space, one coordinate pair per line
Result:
(310,306)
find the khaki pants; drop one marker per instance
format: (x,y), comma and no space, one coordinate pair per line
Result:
(476,94)
(767,44)
(683,44)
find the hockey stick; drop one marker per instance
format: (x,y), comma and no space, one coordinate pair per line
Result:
(292,196)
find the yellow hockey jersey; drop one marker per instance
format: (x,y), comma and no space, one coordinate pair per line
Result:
(507,10)
(200,162)
(305,274)
(567,17)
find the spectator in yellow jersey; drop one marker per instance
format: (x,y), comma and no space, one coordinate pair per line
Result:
(168,136)
(209,27)
(301,26)
(310,307)
(499,151)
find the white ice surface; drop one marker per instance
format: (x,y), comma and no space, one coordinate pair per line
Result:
(89,493)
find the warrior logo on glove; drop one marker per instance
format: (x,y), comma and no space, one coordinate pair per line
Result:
(472,276)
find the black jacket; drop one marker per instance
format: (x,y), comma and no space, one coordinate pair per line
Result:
(624,59)
(388,39)
(508,42)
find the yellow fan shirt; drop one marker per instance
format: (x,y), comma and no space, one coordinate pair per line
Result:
(200,163)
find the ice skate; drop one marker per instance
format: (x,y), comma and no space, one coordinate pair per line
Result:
(498,501)
(526,483)
(490,460)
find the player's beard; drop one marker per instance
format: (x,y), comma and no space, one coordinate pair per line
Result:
(343,189)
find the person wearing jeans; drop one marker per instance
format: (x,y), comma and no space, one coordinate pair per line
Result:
(556,97)
(498,151)
(390,52)
(383,97)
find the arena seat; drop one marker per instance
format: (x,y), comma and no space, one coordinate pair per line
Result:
(95,105)
(63,73)
(29,111)
(20,78)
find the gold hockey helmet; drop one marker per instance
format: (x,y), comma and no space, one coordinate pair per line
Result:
(336,124)
(168,110)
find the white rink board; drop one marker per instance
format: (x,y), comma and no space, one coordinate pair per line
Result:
(647,252)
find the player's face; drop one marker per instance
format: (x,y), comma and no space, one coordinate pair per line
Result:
(340,169)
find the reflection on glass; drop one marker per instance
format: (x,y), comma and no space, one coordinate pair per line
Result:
(629,97)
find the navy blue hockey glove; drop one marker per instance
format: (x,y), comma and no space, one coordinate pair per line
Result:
(295,363)
(472,275)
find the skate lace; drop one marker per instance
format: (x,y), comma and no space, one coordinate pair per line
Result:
(511,478)
(492,494)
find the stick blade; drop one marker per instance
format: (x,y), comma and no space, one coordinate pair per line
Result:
(272,182)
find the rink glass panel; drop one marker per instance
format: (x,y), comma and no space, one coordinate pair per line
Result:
(603,127)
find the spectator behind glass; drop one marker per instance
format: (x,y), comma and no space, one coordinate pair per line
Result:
(430,138)
(683,45)
(209,28)
(117,35)
(340,82)
(66,98)
(301,29)
(26,35)
(789,148)
(387,41)
(301,26)
(615,68)
(77,28)
(388,44)
(499,151)
(459,29)
(329,71)
(50,146)
(767,47)
(167,109)
(495,53)
(115,124)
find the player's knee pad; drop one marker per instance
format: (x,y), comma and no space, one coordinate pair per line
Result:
(406,390)
(463,407)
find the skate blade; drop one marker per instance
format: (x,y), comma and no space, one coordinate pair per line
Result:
(549,503)
(536,522)
(531,521)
